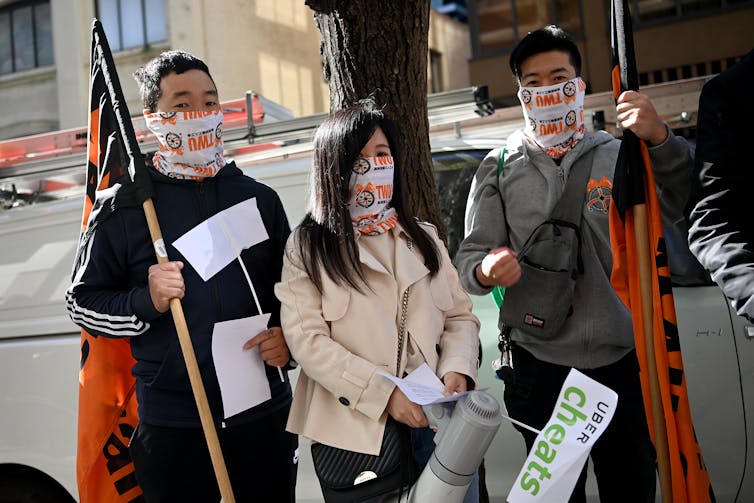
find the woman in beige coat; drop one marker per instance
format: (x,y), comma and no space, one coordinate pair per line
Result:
(346,270)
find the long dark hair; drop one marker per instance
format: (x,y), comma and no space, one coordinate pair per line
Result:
(326,234)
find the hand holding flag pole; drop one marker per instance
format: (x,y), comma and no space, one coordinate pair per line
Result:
(624,78)
(143,185)
(641,278)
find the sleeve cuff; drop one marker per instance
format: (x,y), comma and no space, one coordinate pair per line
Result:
(142,306)
(459,365)
(670,154)
(667,139)
(364,389)
(474,286)
(379,390)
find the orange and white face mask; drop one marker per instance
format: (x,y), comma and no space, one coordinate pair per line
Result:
(554,115)
(191,143)
(370,191)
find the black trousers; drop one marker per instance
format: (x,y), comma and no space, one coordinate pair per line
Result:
(624,456)
(173,464)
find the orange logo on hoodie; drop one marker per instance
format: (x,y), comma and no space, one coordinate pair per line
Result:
(599,195)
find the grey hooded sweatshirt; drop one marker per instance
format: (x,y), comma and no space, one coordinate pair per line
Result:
(599,331)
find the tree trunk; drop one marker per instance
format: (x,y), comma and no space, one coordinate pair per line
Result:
(380,48)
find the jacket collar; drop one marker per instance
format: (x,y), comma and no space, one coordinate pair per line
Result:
(519,142)
(230,169)
(409,265)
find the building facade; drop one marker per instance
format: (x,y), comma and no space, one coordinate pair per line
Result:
(674,39)
(268,46)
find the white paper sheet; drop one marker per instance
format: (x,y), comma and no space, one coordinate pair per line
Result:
(216,242)
(422,386)
(240,372)
(582,413)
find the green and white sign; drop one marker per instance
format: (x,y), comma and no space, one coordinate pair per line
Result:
(582,412)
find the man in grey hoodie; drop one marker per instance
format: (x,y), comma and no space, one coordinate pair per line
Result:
(508,201)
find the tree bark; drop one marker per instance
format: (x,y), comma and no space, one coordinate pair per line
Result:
(380,48)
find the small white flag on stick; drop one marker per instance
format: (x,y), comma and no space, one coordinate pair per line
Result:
(582,413)
(219,240)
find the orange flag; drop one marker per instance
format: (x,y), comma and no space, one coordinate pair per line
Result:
(107,401)
(641,277)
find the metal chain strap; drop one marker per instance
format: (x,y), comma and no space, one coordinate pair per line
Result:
(402,327)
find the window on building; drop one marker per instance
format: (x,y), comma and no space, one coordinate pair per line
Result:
(497,29)
(25,36)
(435,71)
(652,10)
(686,71)
(502,23)
(130,24)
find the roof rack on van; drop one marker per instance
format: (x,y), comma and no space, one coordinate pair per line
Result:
(50,165)
(449,106)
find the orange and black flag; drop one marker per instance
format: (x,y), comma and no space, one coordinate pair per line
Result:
(641,277)
(116,177)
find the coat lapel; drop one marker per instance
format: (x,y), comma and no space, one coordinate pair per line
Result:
(409,266)
(369,260)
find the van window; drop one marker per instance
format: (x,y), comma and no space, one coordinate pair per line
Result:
(454,171)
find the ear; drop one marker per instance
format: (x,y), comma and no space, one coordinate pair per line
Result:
(147,111)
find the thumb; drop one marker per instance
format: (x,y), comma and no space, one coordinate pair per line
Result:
(417,413)
(449,388)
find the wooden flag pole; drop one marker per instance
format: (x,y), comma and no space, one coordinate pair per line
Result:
(200,395)
(658,416)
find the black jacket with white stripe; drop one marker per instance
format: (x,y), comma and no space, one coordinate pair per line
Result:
(721,232)
(110,295)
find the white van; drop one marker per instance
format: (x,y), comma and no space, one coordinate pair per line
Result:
(39,346)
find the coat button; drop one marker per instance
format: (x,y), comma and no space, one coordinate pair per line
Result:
(344,401)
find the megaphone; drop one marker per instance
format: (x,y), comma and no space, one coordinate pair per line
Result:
(465,430)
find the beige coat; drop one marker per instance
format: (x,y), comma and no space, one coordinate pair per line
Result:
(341,338)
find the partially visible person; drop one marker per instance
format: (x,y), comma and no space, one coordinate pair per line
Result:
(120,291)
(721,232)
(509,200)
(346,270)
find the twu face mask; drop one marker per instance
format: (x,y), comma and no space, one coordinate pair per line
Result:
(370,193)
(191,143)
(554,115)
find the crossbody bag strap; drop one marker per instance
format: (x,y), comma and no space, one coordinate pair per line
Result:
(404,315)
(567,211)
(575,191)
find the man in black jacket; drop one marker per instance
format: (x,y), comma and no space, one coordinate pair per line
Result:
(120,291)
(721,233)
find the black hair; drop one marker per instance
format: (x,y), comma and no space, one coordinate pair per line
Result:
(326,234)
(549,38)
(150,75)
